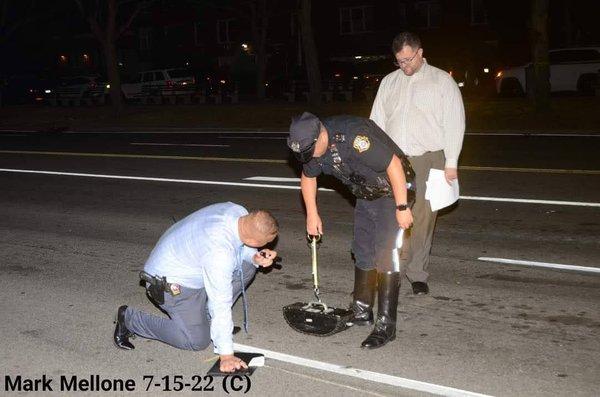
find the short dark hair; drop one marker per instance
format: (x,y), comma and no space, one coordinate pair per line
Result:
(405,39)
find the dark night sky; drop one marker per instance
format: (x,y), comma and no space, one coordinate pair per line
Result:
(59,24)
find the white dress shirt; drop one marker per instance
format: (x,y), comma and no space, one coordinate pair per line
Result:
(422,113)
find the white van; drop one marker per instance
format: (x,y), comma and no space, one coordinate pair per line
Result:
(571,69)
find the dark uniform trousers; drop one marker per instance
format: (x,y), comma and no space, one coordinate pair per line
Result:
(417,241)
(188,325)
(375,231)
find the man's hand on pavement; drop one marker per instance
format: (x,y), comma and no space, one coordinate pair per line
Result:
(231,363)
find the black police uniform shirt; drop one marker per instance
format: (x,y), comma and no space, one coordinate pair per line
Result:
(355,156)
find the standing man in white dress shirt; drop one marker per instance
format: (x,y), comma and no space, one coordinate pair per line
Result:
(206,260)
(420,107)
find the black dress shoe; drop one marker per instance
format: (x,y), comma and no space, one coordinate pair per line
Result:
(420,288)
(122,334)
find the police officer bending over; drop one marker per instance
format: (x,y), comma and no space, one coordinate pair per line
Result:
(358,153)
(204,261)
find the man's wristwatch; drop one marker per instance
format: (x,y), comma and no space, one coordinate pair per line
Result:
(402,207)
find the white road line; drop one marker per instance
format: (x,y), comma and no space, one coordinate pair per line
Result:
(271,179)
(541,264)
(272,186)
(531,201)
(177,144)
(143,178)
(391,380)
(499,199)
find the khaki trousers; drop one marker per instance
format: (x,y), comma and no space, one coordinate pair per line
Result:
(417,241)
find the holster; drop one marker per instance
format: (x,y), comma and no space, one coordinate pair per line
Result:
(155,287)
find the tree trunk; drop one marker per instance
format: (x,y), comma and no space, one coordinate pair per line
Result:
(313,73)
(114,79)
(110,52)
(568,28)
(539,50)
(260,24)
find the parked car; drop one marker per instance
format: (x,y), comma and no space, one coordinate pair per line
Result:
(571,69)
(160,82)
(79,87)
(25,89)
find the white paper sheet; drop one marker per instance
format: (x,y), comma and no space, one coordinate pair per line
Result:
(257,361)
(439,193)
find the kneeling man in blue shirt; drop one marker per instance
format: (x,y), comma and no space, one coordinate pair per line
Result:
(208,259)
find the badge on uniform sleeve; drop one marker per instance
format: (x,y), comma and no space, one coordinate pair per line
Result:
(361,143)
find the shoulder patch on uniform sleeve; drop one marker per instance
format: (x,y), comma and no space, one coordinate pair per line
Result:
(361,143)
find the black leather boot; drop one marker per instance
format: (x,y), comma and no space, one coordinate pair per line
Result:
(387,305)
(122,334)
(365,283)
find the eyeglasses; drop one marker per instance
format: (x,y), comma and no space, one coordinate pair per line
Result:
(402,62)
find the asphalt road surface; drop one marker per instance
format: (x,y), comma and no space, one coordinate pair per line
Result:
(81,212)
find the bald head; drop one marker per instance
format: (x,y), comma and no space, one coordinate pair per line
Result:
(258,228)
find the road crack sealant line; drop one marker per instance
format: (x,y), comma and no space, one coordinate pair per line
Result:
(278,186)
(386,379)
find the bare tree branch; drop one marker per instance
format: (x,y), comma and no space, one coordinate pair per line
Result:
(81,9)
(7,29)
(127,24)
(3,13)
